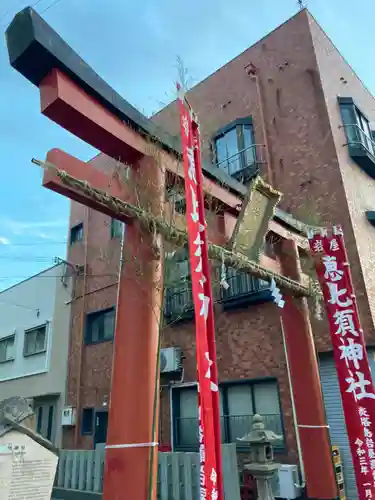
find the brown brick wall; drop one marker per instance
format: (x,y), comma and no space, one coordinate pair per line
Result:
(338,79)
(102,261)
(249,346)
(299,74)
(306,156)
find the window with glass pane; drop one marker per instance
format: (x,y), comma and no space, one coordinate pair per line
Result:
(227,149)
(248,145)
(76,233)
(240,411)
(239,402)
(116,228)
(188,417)
(235,149)
(178,284)
(35,341)
(357,127)
(266,402)
(100,326)
(7,349)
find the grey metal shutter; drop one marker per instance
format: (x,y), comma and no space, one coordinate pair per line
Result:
(335,418)
(336,422)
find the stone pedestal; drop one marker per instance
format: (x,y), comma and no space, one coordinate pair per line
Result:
(263,475)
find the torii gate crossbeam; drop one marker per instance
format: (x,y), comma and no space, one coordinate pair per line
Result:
(75,97)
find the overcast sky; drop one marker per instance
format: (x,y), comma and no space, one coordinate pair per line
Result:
(134,46)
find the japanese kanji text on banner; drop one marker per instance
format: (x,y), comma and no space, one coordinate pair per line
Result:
(354,375)
(208,397)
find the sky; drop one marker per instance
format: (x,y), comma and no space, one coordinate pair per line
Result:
(134,46)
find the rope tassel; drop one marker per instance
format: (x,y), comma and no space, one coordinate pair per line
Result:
(223,275)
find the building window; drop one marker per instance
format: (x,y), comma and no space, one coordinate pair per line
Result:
(35,341)
(87,421)
(7,349)
(359,137)
(50,423)
(76,233)
(39,420)
(178,295)
(239,402)
(100,326)
(116,228)
(244,289)
(235,148)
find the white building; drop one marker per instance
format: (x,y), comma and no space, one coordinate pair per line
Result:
(34,344)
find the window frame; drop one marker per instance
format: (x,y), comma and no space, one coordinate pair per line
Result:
(116,228)
(74,230)
(6,339)
(30,331)
(238,124)
(88,432)
(95,314)
(360,142)
(253,292)
(224,387)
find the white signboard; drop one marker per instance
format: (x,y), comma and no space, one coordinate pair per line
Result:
(27,469)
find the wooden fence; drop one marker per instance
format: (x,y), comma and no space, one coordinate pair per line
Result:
(178,473)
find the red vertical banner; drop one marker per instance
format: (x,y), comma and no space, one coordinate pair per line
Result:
(349,349)
(211,486)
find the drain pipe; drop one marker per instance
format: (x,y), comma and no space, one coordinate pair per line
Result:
(82,329)
(299,449)
(253,72)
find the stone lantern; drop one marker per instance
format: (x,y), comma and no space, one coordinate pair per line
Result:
(261,466)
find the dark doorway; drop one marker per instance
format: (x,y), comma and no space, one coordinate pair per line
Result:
(101,424)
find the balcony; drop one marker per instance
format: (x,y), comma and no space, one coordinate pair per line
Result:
(361,148)
(243,290)
(232,428)
(245,164)
(178,303)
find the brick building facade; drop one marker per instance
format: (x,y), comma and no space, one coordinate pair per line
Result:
(293,107)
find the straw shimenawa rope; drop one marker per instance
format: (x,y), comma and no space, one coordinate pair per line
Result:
(174,235)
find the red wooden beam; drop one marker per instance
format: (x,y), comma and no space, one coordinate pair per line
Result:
(68,105)
(306,387)
(101,180)
(86,172)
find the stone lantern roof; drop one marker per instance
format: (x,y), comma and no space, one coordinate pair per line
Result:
(259,434)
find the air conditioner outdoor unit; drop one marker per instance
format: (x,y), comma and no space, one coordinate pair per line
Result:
(284,482)
(170,360)
(68,417)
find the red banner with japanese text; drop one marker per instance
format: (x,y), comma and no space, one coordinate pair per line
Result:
(208,391)
(349,350)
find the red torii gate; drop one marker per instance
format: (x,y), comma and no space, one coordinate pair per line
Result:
(75,97)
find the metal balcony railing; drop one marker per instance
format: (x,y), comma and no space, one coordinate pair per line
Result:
(232,428)
(179,302)
(179,299)
(244,164)
(241,284)
(359,138)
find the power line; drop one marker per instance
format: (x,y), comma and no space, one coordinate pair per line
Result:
(56,276)
(8,11)
(50,6)
(40,243)
(36,309)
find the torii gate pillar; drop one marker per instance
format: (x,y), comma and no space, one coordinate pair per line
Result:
(133,410)
(306,389)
